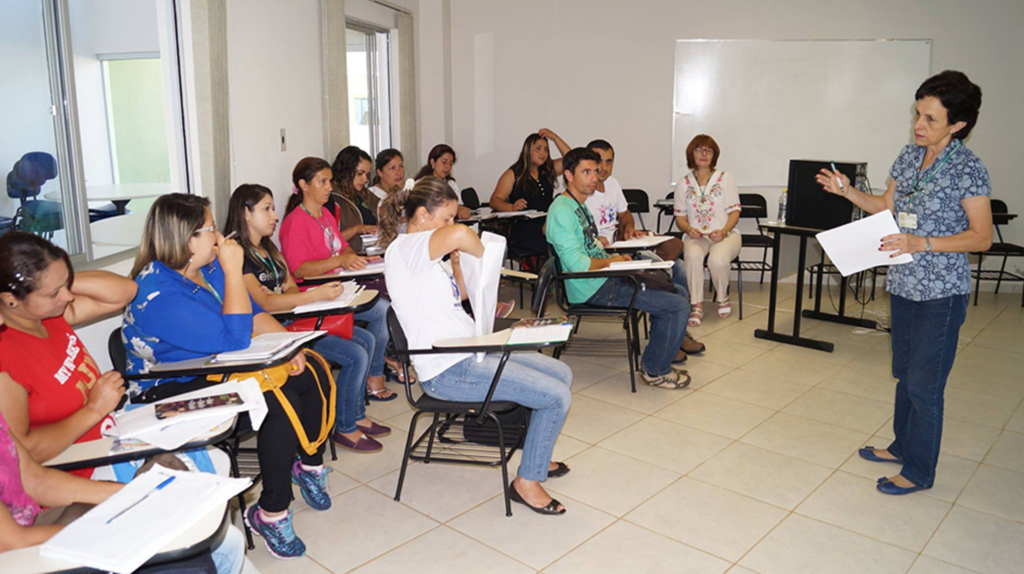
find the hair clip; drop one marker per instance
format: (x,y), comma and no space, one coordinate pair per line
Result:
(409,183)
(295,190)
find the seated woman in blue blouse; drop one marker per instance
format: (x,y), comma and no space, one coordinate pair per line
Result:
(191,303)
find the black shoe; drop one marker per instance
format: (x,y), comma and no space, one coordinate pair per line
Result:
(551,509)
(562,470)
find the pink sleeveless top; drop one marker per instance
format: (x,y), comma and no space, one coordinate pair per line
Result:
(12,492)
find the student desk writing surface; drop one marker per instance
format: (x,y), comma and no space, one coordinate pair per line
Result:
(363,301)
(206,534)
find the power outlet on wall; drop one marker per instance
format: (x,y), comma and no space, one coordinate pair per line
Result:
(284,141)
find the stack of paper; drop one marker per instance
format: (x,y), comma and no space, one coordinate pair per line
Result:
(547,330)
(370,269)
(352,290)
(640,242)
(268,346)
(139,521)
(527,213)
(640,264)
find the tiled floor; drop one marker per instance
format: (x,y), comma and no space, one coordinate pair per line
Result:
(751,469)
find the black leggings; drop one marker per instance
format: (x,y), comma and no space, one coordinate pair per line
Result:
(277,441)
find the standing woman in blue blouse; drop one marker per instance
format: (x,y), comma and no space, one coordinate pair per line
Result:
(940,196)
(192,302)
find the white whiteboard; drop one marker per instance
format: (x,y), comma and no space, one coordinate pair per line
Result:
(768,101)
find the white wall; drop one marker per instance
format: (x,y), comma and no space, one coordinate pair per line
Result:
(605,69)
(275,81)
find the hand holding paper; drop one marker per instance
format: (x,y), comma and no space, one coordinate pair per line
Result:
(854,247)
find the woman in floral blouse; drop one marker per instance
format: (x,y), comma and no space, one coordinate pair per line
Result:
(707,209)
(940,195)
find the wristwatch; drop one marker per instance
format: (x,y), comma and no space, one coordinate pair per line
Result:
(928,244)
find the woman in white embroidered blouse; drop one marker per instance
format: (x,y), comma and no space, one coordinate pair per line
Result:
(707,208)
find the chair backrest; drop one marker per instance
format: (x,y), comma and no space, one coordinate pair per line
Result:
(29,174)
(540,291)
(117,352)
(470,199)
(638,200)
(753,205)
(999,206)
(400,344)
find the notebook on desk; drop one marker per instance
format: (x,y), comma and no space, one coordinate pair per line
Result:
(641,264)
(352,290)
(268,346)
(640,242)
(541,330)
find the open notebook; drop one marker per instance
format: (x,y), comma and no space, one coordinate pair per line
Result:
(640,242)
(139,521)
(268,346)
(352,290)
(641,264)
(543,330)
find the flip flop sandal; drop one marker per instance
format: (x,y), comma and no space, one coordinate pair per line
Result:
(668,382)
(696,316)
(724,310)
(562,470)
(393,374)
(375,395)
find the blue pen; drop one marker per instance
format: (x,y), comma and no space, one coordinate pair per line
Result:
(136,503)
(839,179)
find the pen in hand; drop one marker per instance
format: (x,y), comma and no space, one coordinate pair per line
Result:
(136,503)
(842,188)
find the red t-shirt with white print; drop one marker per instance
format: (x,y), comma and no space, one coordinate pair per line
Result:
(57,372)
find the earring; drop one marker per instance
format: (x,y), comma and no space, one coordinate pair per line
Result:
(11,304)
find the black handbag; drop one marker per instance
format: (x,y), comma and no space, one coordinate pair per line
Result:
(653,280)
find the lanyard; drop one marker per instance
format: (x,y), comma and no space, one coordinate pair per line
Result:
(210,288)
(591,226)
(268,263)
(915,189)
(703,191)
(326,230)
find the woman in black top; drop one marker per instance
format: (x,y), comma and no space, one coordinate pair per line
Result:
(529,184)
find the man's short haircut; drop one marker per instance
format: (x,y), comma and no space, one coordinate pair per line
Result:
(602,145)
(572,159)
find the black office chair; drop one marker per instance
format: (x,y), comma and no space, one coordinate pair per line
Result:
(24,183)
(552,277)
(468,433)
(639,203)
(998,249)
(470,198)
(668,210)
(754,206)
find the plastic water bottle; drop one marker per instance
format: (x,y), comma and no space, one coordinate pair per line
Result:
(782,207)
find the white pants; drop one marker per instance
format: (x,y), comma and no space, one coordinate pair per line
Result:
(720,256)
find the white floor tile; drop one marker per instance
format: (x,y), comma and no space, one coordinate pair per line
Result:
(801,545)
(616,390)
(443,491)
(757,387)
(995,491)
(927,565)
(609,481)
(951,474)
(528,537)
(762,474)
(592,421)
(979,541)
(853,503)
(667,445)
(862,382)
(627,548)
(442,551)
(805,439)
(709,518)
(841,409)
(1008,452)
(716,414)
(806,369)
(978,408)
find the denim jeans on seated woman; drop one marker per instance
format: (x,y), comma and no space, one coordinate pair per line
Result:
(353,356)
(668,312)
(533,380)
(376,316)
(924,338)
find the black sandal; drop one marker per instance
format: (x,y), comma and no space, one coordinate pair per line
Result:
(562,470)
(551,509)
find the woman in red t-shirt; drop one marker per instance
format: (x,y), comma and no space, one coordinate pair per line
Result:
(52,393)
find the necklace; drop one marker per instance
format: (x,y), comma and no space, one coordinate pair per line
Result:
(268,263)
(210,287)
(326,230)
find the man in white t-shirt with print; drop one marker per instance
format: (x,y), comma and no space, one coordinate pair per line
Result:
(608,204)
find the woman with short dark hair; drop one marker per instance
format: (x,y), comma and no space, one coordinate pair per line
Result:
(940,195)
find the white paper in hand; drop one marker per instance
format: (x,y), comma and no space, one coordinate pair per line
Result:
(483,276)
(854,247)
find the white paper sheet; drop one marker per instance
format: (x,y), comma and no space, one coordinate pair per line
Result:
(149,526)
(639,242)
(640,264)
(352,289)
(483,276)
(854,247)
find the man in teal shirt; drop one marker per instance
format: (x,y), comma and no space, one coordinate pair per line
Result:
(572,233)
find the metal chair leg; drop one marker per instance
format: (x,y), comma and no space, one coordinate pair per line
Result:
(405,455)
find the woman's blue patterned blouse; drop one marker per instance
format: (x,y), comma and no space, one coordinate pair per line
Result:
(939,214)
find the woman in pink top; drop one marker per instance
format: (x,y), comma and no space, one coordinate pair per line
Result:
(312,245)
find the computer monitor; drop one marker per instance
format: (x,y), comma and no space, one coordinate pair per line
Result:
(808,205)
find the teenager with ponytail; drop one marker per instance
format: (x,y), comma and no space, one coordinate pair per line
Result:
(427,294)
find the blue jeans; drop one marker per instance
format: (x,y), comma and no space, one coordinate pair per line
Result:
(376,316)
(924,337)
(353,356)
(229,556)
(533,380)
(668,311)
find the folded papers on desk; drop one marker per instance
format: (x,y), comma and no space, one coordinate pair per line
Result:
(640,242)
(142,423)
(640,264)
(544,330)
(854,247)
(352,290)
(131,539)
(268,346)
